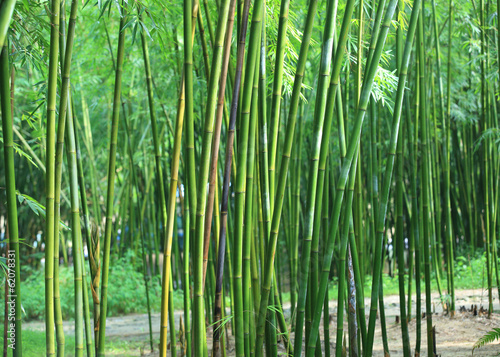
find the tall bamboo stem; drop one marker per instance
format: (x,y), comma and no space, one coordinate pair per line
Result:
(425,179)
(50,177)
(101,325)
(13,262)
(225,187)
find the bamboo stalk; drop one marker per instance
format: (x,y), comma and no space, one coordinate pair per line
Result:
(57,196)
(400,245)
(6,12)
(346,166)
(446,158)
(75,234)
(225,187)
(276,98)
(101,325)
(240,184)
(13,261)
(347,228)
(417,212)
(388,175)
(310,246)
(198,241)
(216,138)
(174,170)
(354,140)
(248,218)
(50,177)
(65,98)
(186,282)
(425,179)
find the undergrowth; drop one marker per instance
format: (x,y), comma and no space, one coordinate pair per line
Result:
(126,293)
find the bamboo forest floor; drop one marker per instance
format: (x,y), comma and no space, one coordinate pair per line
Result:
(454,337)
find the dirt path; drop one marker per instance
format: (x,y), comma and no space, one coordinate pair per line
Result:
(455,337)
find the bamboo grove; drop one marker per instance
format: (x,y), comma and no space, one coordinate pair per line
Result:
(266,161)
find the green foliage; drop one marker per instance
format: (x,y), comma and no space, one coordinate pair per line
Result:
(488,338)
(126,297)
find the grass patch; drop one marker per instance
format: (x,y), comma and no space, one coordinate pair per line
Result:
(34,345)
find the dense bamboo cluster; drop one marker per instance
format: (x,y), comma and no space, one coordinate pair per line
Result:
(312,156)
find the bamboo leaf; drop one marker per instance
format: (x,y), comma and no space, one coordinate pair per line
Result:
(490,337)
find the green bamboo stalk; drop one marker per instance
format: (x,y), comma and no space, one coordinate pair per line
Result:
(399,237)
(216,140)
(57,197)
(410,204)
(75,225)
(276,98)
(88,142)
(154,128)
(263,186)
(417,212)
(435,191)
(86,231)
(13,262)
(65,98)
(86,305)
(358,198)
(209,21)
(494,173)
(326,307)
(276,315)
(484,126)
(364,97)
(263,173)
(141,229)
(271,248)
(204,45)
(248,218)
(346,166)
(321,150)
(295,210)
(347,229)
(50,177)
(174,170)
(6,12)
(388,176)
(372,173)
(488,195)
(255,258)
(383,324)
(225,189)
(186,286)
(322,128)
(198,241)
(446,158)
(262,163)
(159,171)
(240,184)
(425,179)
(360,305)
(375,166)
(101,326)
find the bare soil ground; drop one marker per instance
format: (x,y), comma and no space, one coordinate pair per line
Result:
(454,336)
